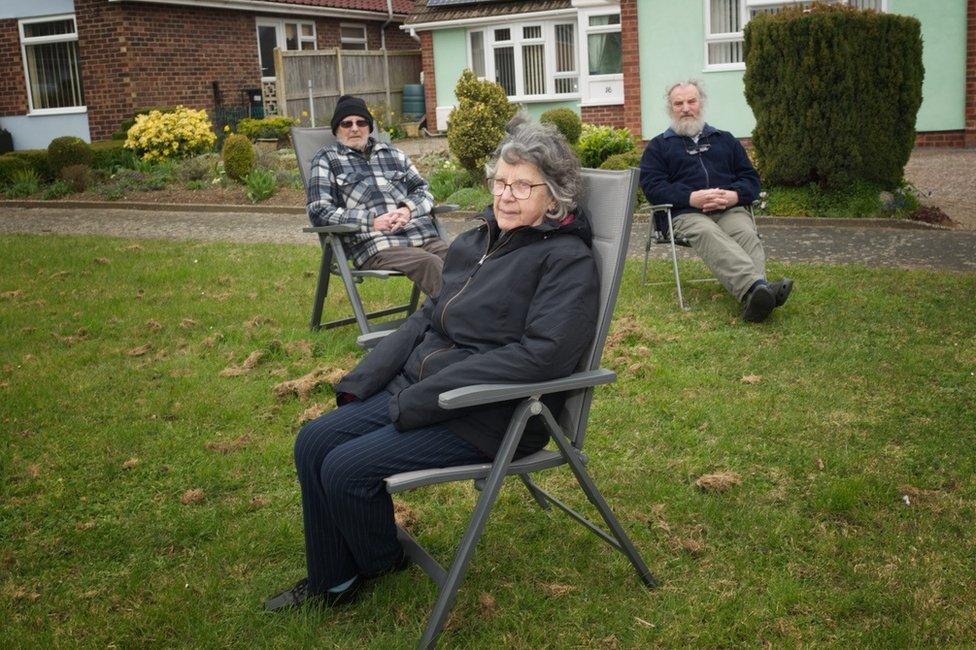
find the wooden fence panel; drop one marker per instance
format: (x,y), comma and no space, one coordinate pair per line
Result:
(376,76)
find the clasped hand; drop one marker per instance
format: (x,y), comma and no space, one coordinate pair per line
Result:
(392,221)
(713,200)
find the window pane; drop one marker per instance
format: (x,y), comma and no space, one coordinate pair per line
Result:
(267,42)
(567,85)
(478,53)
(55,80)
(353,32)
(307,31)
(291,36)
(308,45)
(533,31)
(725,53)
(597,21)
(503,34)
(51,28)
(604,52)
(725,16)
(505,69)
(565,48)
(867,4)
(534,69)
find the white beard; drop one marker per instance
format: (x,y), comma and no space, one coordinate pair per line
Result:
(689,126)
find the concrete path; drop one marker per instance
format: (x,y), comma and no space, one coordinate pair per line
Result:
(819,242)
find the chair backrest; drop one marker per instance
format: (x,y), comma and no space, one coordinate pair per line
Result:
(608,199)
(307,142)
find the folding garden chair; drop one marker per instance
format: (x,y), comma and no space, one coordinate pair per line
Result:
(661,231)
(609,200)
(335,261)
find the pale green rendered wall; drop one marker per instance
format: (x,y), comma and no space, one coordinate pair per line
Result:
(671,42)
(450,60)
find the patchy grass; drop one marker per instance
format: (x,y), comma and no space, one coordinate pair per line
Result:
(809,481)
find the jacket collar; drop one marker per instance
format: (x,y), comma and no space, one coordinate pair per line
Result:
(707,130)
(578,227)
(373,146)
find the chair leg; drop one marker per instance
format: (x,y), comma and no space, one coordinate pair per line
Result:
(493,483)
(536,493)
(321,287)
(357,305)
(674,263)
(647,248)
(593,494)
(414,299)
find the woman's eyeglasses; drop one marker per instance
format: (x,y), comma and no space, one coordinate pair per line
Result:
(520,189)
(348,124)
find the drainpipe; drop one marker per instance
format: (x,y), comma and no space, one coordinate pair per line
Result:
(389,10)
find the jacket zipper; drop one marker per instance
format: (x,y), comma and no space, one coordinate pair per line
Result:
(429,355)
(488,253)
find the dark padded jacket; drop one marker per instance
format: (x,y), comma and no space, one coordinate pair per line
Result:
(515,307)
(669,173)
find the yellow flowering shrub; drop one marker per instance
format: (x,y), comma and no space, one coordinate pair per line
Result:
(160,136)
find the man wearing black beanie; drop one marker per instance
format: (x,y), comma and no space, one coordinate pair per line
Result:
(361,181)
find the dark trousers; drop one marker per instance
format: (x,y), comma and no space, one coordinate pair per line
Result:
(342,458)
(422,264)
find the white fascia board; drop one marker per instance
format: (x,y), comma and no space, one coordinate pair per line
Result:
(275,8)
(489,20)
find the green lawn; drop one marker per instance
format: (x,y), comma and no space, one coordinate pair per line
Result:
(850,417)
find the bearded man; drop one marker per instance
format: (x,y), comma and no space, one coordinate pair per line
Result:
(373,185)
(706,176)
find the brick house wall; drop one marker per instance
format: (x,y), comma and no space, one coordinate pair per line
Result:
(13,91)
(430,90)
(969,139)
(630,61)
(606,116)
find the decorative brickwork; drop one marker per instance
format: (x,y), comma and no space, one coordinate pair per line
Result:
(605,115)
(970,134)
(13,89)
(430,91)
(631,66)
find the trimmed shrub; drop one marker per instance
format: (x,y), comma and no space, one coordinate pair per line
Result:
(161,136)
(835,92)
(35,159)
(566,120)
(477,125)
(8,165)
(597,143)
(67,151)
(110,154)
(79,177)
(272,128)
(239,157)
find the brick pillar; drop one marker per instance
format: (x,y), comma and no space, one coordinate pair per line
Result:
(430,91)
(970,135)
(631,65)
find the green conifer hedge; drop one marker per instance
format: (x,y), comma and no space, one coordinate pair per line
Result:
(835,92)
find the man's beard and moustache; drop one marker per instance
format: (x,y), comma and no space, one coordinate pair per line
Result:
(688,126)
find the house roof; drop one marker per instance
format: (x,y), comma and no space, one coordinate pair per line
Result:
(421,13)
(399,6)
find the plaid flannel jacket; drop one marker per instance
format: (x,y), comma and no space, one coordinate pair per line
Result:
(347,187)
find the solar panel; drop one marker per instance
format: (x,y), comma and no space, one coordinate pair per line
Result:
(452,3)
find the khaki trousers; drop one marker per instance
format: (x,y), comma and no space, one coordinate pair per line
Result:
(728,244)
(422,264)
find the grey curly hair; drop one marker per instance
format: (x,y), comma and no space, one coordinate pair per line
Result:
(702,97)
(545,147)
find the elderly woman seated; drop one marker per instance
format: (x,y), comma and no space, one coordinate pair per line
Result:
(519,304)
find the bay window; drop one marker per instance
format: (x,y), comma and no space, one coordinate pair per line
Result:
(49,48)
(725,20)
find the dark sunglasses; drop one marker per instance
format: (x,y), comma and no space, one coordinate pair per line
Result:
(347,124)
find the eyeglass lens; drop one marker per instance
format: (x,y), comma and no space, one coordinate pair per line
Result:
(347,124)
(520,189)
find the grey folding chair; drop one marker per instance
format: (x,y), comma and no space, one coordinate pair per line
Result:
(609,200)
(307,142)
(661,231)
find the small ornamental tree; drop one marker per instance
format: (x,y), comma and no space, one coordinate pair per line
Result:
(477,125)
(835,92)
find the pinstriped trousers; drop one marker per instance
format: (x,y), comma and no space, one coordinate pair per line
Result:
(342,458)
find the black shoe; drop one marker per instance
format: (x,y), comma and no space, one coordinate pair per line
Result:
(300,595)
(759,304)
(400,564)
(782,289)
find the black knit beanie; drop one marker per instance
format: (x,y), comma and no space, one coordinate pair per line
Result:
(349,105)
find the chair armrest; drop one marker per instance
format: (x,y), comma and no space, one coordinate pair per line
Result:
(369,341)
(339,229)
(445,208)
(479,394)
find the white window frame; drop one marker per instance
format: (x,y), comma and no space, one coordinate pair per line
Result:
(584,55)
(280,41)
(547,40)
(364,41)
(40,40)
(732,37)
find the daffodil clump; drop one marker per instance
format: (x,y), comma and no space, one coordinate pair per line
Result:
(158,136)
